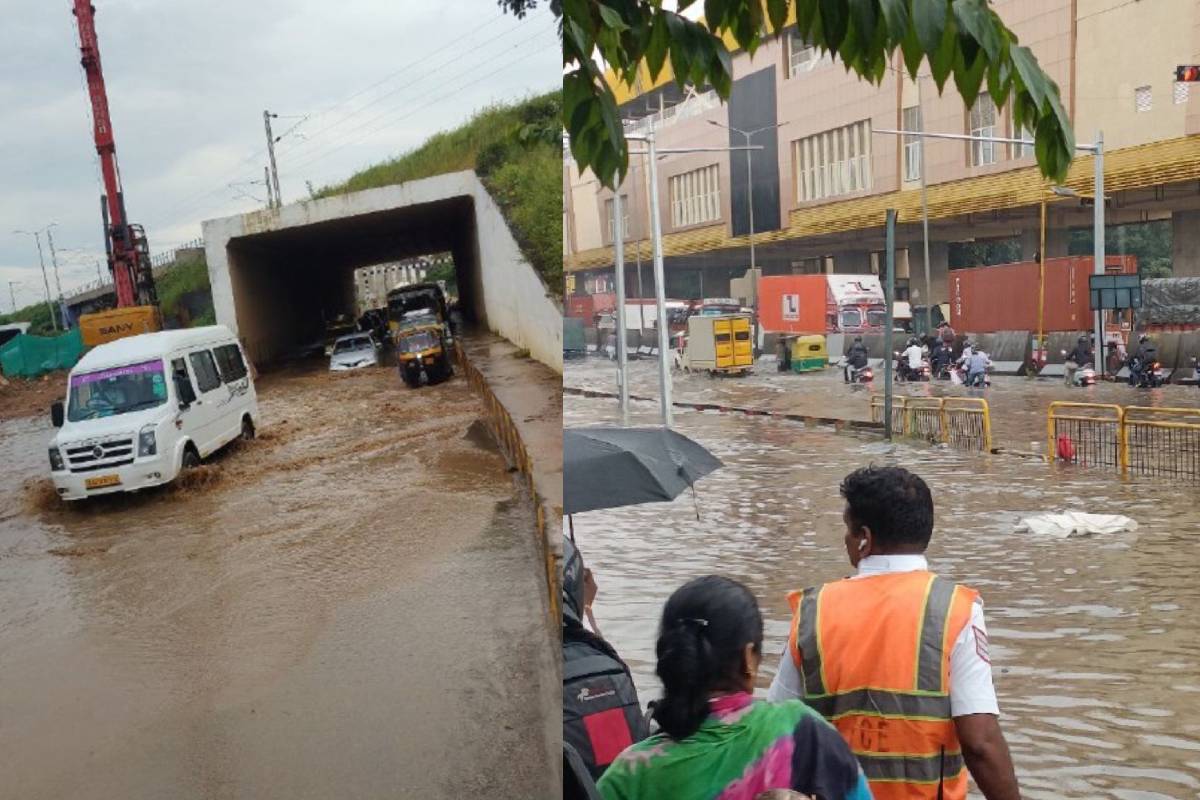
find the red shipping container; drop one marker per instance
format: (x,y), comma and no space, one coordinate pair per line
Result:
(587,306)
(793,303)
(1004,297)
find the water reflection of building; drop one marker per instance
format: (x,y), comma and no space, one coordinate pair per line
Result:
(824,179)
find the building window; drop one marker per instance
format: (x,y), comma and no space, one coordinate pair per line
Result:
(1142,99)
(1024,132)
(833,163)
(911,121)
(1181,92)
(608,217)
(982,122)
(695,197)
(801,57)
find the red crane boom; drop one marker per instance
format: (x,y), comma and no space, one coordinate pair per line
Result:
(128,251)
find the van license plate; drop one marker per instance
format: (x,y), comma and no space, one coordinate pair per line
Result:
(101,481)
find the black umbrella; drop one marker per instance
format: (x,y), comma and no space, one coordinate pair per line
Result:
(611,467)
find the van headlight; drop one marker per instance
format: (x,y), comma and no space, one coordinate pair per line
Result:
(56,462)
(147,446)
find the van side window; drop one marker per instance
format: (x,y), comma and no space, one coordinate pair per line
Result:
(207,378)
(183,383)
(230,362)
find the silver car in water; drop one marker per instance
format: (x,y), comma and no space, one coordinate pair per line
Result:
(353,351)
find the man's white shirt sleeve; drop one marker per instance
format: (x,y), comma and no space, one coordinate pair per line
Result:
(971,688)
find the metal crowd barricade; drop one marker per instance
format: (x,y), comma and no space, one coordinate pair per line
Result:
(1161,441)
(1089,434)
(923,419)
(967,423)
(898,407)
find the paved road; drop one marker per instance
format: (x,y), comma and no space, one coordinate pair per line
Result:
(351,606)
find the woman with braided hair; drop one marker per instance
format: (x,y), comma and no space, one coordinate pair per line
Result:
(716,741)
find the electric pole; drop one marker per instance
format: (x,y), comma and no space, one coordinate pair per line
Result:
(99,273)
(37,237)
(271,155)
(267,181)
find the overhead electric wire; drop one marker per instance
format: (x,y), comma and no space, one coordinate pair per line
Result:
(439,92)
(188,204)
(453,59)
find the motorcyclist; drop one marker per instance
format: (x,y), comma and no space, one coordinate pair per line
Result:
(1079,357)
(912,357)
(856,358)
(1146,354)
(977,366)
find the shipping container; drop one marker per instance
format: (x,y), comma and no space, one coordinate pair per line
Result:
(1004,297)
(587,306)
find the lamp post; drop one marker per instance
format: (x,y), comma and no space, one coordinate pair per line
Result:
(750,201)
(652,153)
(1097,149)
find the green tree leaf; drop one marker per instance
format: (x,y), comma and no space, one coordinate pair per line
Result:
(612,18)
(929,20)
(777,11)
(968,76)
(895,14)
(1032,77)
(863,14)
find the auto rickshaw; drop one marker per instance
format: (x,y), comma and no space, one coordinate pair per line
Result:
(802,353)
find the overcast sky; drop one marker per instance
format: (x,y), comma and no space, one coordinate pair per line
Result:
(187,85)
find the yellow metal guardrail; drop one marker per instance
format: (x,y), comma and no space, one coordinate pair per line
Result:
(1086,433)
(961,422)
(1161,441)
(967,423)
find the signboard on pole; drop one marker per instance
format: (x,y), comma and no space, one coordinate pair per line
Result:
(1115,292)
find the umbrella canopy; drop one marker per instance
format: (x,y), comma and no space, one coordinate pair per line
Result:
(609,467)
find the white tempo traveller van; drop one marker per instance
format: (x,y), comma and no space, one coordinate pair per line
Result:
(141,409)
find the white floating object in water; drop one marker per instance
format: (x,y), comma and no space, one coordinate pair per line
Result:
(1075,523)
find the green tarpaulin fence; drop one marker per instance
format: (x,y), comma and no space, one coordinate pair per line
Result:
(29,356)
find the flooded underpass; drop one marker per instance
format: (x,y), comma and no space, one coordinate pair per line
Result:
(1095,641)
(351,605)
(1018,405)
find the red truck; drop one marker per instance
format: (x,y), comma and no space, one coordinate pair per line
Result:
(821,304)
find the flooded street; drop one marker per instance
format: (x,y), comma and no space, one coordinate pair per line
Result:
(1018,405)
(351,606)
(1095,641)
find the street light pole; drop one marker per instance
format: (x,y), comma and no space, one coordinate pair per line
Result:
(622,356)
(925,218)
(664,374)
(1098,254)
(12,296)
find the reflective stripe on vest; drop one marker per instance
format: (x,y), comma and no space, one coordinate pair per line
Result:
(883,682)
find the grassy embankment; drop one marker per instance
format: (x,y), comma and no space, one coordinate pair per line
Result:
(516,149)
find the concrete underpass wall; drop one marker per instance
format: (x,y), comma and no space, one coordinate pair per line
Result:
(277,274)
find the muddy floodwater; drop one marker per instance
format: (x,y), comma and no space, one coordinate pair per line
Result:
(1018,405)
(1095,641)
(350,606)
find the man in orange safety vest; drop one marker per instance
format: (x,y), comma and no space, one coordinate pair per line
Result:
(896,657)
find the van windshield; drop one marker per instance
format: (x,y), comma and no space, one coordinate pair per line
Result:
(119,390)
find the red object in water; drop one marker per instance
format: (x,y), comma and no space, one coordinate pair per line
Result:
(1066,448)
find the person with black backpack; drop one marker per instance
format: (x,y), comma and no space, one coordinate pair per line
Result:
(601,712)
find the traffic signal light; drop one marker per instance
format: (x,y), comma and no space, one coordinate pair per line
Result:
(1187,74)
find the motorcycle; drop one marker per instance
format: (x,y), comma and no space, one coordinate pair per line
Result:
(1085,375)
(959,377)
(1149,377)
(906,373)
(863,374)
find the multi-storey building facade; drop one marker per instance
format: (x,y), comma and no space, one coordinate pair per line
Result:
(825,176)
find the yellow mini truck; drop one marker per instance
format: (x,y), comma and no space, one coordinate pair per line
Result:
(719,344)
